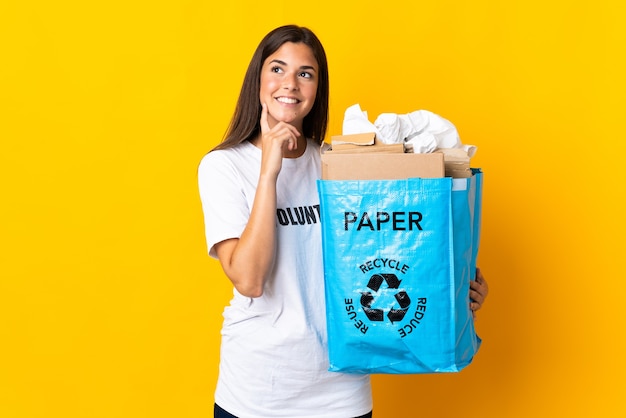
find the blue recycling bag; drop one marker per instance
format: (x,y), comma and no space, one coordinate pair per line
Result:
(398,259)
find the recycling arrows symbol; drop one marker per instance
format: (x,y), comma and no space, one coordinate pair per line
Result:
(401,296)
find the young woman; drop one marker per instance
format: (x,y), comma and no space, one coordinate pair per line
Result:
(274,358)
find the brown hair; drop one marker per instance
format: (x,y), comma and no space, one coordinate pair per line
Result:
(245,123)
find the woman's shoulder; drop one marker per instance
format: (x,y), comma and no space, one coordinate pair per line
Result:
(233,154)
(230,163)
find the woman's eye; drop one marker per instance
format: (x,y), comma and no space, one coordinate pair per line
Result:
(305,74)
(276,69)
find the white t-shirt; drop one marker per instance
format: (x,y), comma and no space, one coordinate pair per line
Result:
(274,358)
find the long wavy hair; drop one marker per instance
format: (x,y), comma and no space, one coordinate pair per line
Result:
(245,124)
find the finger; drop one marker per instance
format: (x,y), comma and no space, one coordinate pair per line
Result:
(265,127)
(476,297)
(292,129)
(296,135)
(473,310)
(478,287)
(480,279)
(287,134)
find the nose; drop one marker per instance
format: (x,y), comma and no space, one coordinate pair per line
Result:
(290,81)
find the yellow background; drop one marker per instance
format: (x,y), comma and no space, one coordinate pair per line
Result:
(110,306)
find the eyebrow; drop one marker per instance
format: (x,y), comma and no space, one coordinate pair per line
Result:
(304,67)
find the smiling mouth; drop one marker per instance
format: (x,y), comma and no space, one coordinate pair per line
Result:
(287,100)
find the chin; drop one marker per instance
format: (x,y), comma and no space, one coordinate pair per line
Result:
(289,119)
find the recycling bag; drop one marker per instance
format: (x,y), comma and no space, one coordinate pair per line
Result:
(398,259)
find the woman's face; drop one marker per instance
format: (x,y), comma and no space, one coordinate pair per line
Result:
(289,80)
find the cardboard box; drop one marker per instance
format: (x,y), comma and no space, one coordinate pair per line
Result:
(367,142)
(457,162)
(381,166)
(353,141)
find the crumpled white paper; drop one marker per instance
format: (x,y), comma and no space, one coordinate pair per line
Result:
(420,131)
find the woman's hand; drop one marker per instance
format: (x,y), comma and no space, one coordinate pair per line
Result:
(478,292)
(248,260)
(274,142)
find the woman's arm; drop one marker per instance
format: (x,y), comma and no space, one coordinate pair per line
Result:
(248,260)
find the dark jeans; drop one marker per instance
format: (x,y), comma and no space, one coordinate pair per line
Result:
(220,413)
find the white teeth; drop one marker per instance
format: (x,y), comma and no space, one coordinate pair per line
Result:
(286,100)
